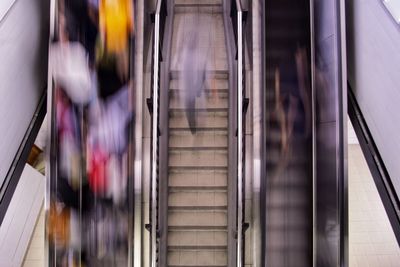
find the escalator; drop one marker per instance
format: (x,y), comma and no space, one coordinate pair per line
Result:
(289,144)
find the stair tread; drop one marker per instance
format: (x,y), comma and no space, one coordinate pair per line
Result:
(199,167)
(198,227)
(198,188)
(197,2)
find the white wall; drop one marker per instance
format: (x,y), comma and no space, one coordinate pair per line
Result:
(23,63)
(374,74)
(20,219)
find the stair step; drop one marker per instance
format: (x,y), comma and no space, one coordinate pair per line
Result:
(198,258)
(207,101)
(194,239)
(198,178)
(197,218)
(210,9)
(207,138)
(198,2)
(208,96)
(198,158)
(196,199)
(210,74)
(203,120)
(211,85)
(197,227)
(185,139)
(195,189)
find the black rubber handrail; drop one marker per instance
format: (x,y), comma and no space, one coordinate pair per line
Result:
(9,185)
(383,182)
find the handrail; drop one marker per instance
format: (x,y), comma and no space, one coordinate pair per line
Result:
(393,8)
(155,139)
(383,182)
(8,186)
(240,137)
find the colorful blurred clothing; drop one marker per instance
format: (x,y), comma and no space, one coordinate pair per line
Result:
(116,24)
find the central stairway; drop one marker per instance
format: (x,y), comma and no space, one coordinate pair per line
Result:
(198,162)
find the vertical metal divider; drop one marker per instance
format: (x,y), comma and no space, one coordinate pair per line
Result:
(135,160)
(230,41)
(240,257)
(155,140)
(342,134)
(313,133)
(50,148)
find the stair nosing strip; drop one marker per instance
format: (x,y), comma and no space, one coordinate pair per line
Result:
(208,90)
(196,265)
(200,129)
(206,247)
(196,148)
(197,208)
(198,109)
(198,227)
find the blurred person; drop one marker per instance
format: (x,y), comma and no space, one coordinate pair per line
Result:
(194,56)
(90,72)
(304,81)
(292,101)
(116,27)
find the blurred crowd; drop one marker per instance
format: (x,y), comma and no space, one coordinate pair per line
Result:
(90,63)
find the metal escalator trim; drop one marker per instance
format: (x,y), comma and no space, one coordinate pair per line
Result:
(11,181)
(155,142)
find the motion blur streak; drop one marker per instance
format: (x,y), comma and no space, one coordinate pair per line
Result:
(88,218)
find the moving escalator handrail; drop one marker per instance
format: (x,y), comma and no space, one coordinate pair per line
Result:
(155,134)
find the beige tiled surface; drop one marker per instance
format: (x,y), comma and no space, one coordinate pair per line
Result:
(34,256)
(371,239)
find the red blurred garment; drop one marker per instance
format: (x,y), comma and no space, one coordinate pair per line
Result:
(97,171)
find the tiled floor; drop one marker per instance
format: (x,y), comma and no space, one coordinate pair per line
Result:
(35,254)
(371,238)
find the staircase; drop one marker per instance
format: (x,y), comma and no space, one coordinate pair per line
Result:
(289,182)
(198,162)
